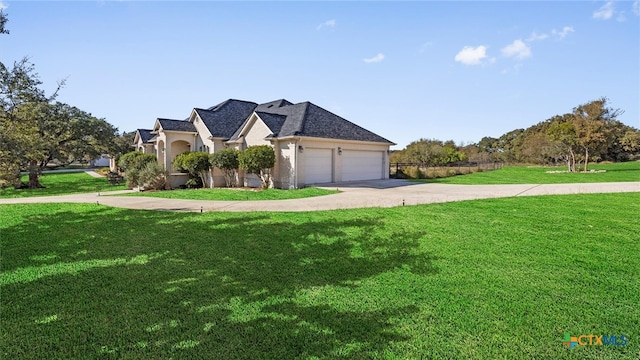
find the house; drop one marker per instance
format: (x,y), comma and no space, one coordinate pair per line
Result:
(102,161)
(143,141)
(312,145)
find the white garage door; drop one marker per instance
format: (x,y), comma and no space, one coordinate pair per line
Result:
(361,165)
(318,166)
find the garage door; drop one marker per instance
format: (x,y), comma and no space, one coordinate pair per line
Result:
(318,166)
(361,165)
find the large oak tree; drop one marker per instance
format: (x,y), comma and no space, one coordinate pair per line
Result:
(35,129)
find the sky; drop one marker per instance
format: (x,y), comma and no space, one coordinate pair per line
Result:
(405,70)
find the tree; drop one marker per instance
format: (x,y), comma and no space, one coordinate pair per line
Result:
(227,161)
(423,151)
(20,100)
(34,130)
(195,163)
(538,149)
(430,152)
(631,141)
(259,160)
(3,22)
(121,145)
(489,145)
(590,121)
(509,145)
(564,133)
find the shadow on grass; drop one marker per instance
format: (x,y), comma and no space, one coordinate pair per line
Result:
(218,286)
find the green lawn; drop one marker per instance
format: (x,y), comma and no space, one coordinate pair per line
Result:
(488,279)
(627,171)
(61,184)
(235,194)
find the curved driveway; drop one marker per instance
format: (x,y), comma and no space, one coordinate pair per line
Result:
(378,193)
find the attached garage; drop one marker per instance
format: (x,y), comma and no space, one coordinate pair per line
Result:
(318,166)
(362,165)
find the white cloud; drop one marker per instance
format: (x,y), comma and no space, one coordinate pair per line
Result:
(470,55)
(536,37)
(329,23)
(3,5)
(376,59)
(517,49)
(605,12)
(563,33)
(636,7)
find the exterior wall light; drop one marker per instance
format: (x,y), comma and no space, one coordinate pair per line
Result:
(300,148)
(339,150)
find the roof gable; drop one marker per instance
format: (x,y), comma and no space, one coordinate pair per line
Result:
(144,135)
(273,121)
(224,119)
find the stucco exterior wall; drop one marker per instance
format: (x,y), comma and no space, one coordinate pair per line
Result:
(217,176)
(289,170)
(257,134)
(286,152)
(203,139)
(169,145)
(338,147)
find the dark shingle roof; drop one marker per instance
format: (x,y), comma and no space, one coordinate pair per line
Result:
(307,119)
(145,135)
(273,105)
(273,121)
(224,119)
(176,125)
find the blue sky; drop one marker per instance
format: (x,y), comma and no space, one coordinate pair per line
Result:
(405,70)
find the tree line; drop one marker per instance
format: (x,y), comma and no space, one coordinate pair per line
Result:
(590,132)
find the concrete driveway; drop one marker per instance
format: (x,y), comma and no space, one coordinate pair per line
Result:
(362,194)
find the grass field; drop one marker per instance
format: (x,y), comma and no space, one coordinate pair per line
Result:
(627,171)
(61,184)
(235,194)
(488,279)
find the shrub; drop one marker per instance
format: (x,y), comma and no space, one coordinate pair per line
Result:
(153,177)
(135,159)
(196,164)
(133,178)
(259,160)
(227,161)
(416,173)
(133,163)
(114,178)
(193,183)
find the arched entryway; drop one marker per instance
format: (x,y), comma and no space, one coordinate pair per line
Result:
(177,148)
